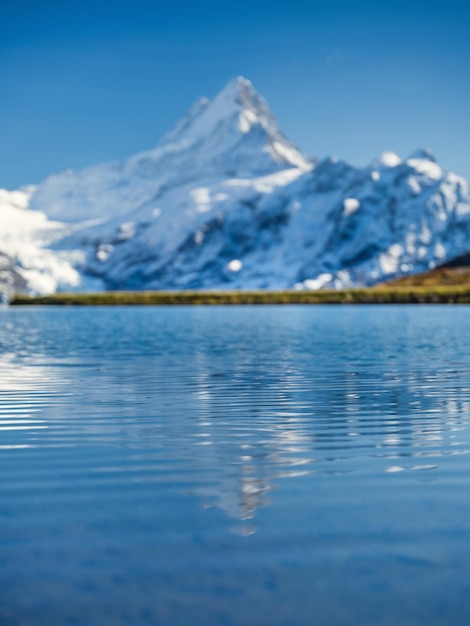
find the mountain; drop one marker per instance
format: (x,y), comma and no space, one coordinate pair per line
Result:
(392,218)
(235,136)
(225,200)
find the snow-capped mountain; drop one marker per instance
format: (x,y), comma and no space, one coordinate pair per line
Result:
(226,201)
(233,136)
(394,217)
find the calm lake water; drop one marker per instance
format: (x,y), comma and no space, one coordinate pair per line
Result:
(235,465)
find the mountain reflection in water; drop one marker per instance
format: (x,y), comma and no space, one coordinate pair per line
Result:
(123,430)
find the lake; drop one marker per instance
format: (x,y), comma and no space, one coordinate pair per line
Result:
(297,465)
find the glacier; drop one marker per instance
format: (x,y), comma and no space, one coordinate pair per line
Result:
(226,201)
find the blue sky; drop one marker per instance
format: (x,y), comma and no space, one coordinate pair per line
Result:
(84,82)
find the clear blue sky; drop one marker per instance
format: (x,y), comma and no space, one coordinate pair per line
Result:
(87,81)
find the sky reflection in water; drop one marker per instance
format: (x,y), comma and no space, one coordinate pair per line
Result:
(235,465)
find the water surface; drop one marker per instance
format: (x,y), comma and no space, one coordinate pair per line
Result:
(235,465)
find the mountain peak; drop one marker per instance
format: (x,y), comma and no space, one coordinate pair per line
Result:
(240,102)
(240,94)
(237,85)
(237,107)
(238,124)
(387,159)
(422,155)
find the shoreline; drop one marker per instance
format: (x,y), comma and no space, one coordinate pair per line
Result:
(445,294)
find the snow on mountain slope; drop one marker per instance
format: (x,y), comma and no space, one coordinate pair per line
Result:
(333,226)
(234,135)
(226,201)
(151,249)
(25,237)
(392,218)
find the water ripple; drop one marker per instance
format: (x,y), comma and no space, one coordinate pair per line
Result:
(137,434)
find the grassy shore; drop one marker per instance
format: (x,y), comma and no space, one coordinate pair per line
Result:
(385,294)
